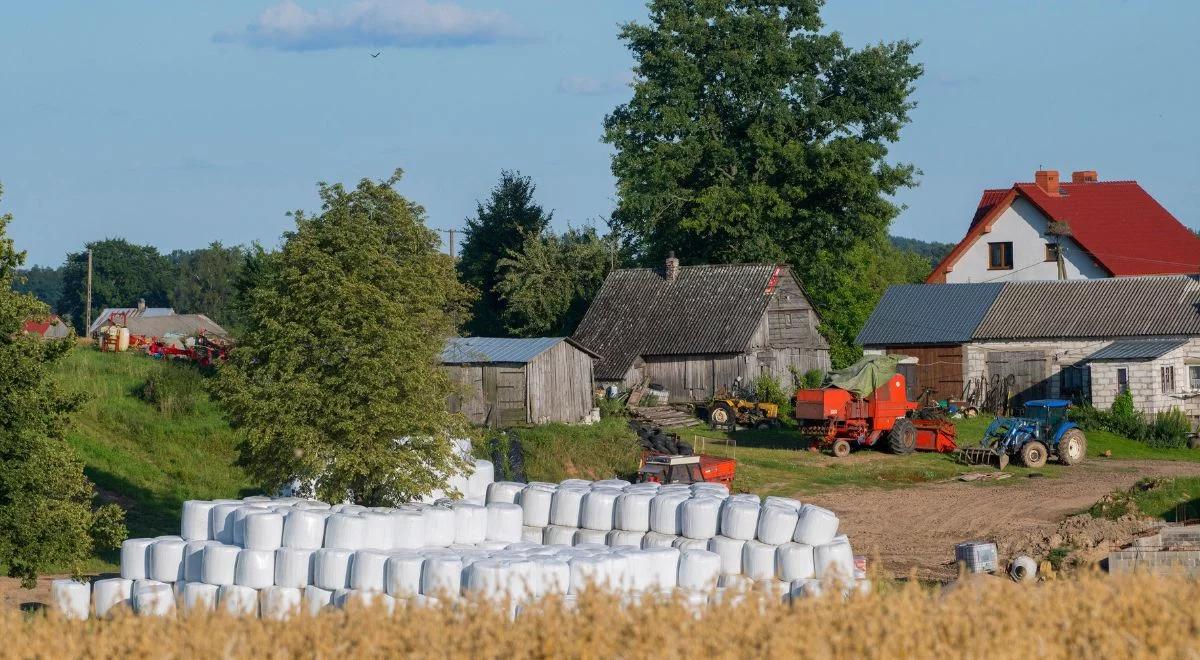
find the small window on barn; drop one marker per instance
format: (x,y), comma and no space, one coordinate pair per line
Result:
(1122,380)
(1168,380)
(1052,250)
(1194,377)
(1000,256)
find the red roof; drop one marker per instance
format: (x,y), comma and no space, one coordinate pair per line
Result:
(40,327)
(1118,223)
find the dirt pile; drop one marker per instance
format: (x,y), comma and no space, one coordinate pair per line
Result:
(1082,540)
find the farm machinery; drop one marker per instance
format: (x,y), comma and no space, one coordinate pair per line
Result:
(866,405)
(1041,432)
(729,410)
(667,459)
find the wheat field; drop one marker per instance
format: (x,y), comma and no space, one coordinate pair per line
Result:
(1092,616)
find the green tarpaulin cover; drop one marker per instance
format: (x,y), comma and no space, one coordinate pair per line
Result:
(864,376)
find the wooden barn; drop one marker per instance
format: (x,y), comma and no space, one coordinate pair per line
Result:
(695,329)
(521,381)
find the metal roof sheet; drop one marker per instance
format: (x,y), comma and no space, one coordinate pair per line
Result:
(130,313)
(915,314)
(1137,349)
(463,350)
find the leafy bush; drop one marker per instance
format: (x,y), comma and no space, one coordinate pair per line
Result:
(611,407)
(813,378)
(1168,430)
(768,390)
(174,391)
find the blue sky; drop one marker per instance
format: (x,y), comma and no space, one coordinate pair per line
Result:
(179,123)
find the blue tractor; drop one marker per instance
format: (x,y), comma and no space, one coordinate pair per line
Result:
(1041,432)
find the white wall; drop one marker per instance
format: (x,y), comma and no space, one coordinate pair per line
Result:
(1025,226)
(1145,382)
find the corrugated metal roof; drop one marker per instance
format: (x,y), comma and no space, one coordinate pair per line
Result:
(1137,349)
(463,350)
(180,324)
(1101,308)
(914,314)
(130,313)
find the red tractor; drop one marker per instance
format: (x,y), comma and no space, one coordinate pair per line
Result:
(839,419)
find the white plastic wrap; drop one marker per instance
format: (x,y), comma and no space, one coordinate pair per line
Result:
(238,600)
(135,558)
(617,484)
(331,568)
(804,588)
(193,560)
(795,561)
(711,488)
(632,511)
(195,524)
(619,538)
(493,579)
(304,530)
(199,597)
(255,569)
(565,506)
(470,523)
(576,483)
(441,576)
(815,526)
(166,560)
(656,540)
(588,571)
(663,567)
(597,510)
(739,518)
(699,517)
(403,574)
(408,530)
(776,524)
(684,543)
(698,570)
(504,522)
(293,567)
(532,534)
(156,599)
(556,535)
(439,526)
(787,502)
(316,599)
(110,593)
(834,560)
(664,512)
(237,520)
(758,560)
(590,537)
(553,575)
(378,530)
(535,503)
(71,599)
(367,572)
(220,521)
(263,531)
(737,582)
(345,531)
(505,492)
(477,482)
(280,603)
(730,552)
(219,564)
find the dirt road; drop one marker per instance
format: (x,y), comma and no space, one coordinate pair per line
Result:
(918,527)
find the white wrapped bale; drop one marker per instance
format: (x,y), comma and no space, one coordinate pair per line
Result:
(193,560)
(441,576)
(258,499)
(587,572)
(166,560)
(795,561)
(711,488)
(316,599)
(220,521)
(378,530)
(331,568)
(135,558)
(699,517)
(237,520)
(698,570)
(477,483)
(553,575)
(617,484)
(281,603)
(403,574)
(556,535)
(590,537)
(684,543)
(263,531)
(345,531)
(505,492)
(656,540)
(739,518)
(504,522)
(576,483)
(532,534)
(730,552)
(815,526)
(255,569)
(71,599)
(619,538)
(238,600)
(535,505)
(632,511)
(494,580)
(565,506)
(199,597)
(155,599)
(195,524)
(776,524)
(219,564)
(758,560)
(834,560)
(662,567)
(597,510)
(664,512)
(786,502)
(368,570)
(470,523)
(304,530)
(111,593)
(439,526)
(408,529)
(293,567)
(737,582)
(493,546)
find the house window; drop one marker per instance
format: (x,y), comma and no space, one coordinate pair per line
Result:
(1052,250)
(1194,377)
(1168,380)
(1070,382)
(1000,256)
(1122,380)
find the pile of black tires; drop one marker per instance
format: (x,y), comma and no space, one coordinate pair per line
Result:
(656,440)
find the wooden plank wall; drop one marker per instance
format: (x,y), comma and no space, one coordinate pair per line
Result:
(699,377)
(495,393)
(560,385)
(939,367)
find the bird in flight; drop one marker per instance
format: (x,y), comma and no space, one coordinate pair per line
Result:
(374,55)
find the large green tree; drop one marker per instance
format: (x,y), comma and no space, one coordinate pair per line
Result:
(755,134)
(206,281)
(336,377)
(122,274)
(47,517)
(44,282)
(547,284)
(500,226)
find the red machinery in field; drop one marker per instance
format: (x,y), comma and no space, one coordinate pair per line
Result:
(677,469)
(839,419)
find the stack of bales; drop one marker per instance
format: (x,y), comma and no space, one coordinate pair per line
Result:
(276,557)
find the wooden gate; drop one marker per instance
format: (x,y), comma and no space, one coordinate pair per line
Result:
(1028,369)
(938,367)
(504,389)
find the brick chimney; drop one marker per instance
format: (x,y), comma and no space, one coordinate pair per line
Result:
(672,269)
(1084,176)
(1047,180)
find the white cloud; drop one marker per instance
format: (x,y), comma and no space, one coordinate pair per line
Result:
(589,86)
(374,24)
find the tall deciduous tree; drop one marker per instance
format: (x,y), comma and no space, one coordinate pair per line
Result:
(122,273)
(754,134)
(44,282)
(501,225)
(336,377)
(206,281)
(46,513)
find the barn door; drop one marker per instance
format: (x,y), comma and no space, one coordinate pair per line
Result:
(1028,372)
(510,396)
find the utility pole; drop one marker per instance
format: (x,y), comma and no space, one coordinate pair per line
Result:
(452,232)
(89,293)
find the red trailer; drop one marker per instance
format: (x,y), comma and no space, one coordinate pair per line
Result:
(838,420)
